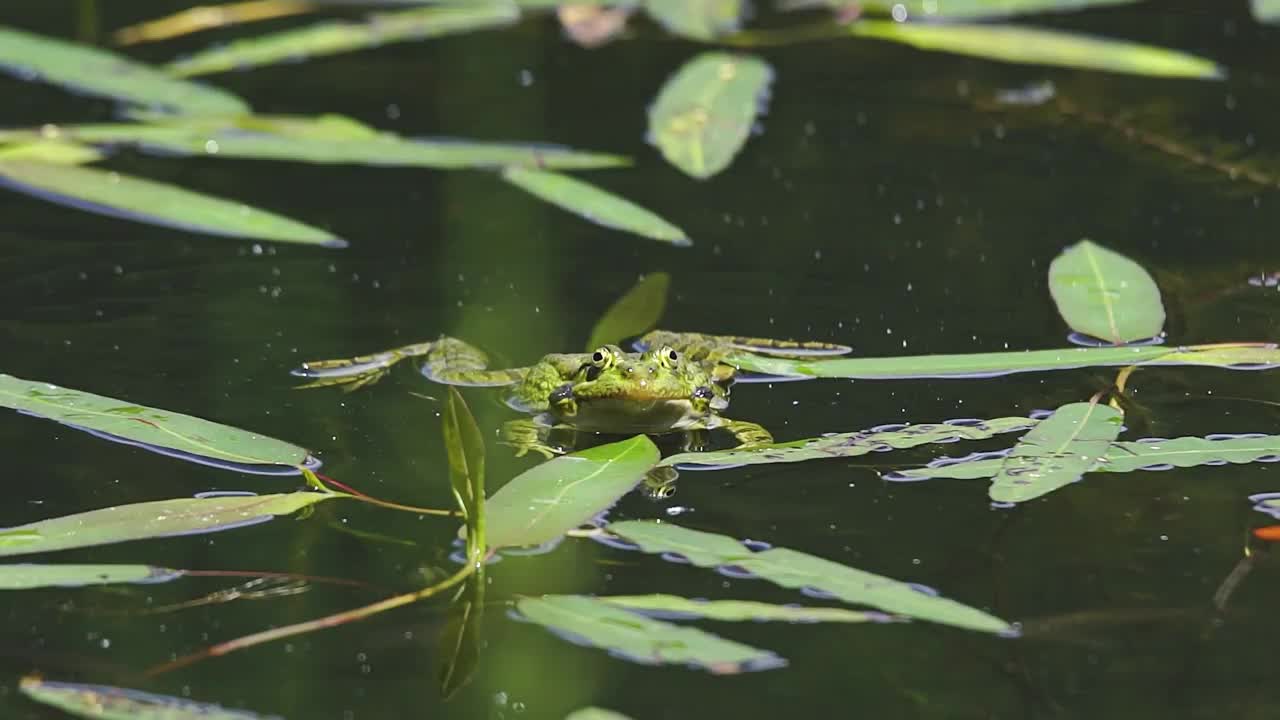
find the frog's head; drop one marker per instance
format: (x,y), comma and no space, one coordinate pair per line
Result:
(615,391)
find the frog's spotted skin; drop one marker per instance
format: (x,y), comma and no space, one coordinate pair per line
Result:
(677,382)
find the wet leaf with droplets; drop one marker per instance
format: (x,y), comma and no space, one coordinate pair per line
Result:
(1057,452)
(115,703)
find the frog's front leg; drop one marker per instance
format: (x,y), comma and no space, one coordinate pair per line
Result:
(748,434)
(526,434)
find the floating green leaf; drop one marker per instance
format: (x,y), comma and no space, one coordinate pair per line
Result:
(103,702)
(465,447)
(1057,452)
(595,713)
(975,365)
(697,19)
(736,610)
(977,9)
(594,204)
(324,139)
(705,112)
(98,72)
(155,203)
(159,430)
(50,151)
(28,576)
(543,503)
(635,313)
(338,37)
(1267,11)
(642,639)
(1019,44)
(1104,294)
(853,444)
(1129,456)
(156,519)
(792,569)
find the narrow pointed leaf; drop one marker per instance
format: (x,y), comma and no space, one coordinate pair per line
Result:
(1036,46)
(50,151)
(171,433)
(792,569)
(98,72)
(976,365)
(465,446)
(1057,452)
(596,205)
(28,576)
(697,19)
(155,203)
(543,503)
(591,621)
(853,444)
(977,9)
(674,607)
(339,37)
(1104,294)
(635,313)
(707,109)
(103,702)
(156,519)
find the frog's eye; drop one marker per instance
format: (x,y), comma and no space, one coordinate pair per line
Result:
(603,357)
(668,356)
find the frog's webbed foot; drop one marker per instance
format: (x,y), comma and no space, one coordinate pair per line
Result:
(451,361)
(748,434)
(357,372)
(660,482)
(527,435)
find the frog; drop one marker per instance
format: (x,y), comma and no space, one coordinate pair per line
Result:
(670,382)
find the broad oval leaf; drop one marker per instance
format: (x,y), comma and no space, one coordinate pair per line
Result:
(641,639)
(543,503)
(1037,46)
(182,436)
(707,109)
(1057,452)
(104,702)
(792,569)
(1104,294)
(98,72)
(155,203)
(465,447)
(674,607)
(338,37)
(635,313)
(30,576)
(981,365)
(156,519)
(592,203)
(697,19)
(1267,11)
(852,444)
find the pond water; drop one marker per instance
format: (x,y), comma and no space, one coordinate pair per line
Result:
(884,204)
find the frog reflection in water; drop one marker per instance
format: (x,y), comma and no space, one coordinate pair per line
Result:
(678,383)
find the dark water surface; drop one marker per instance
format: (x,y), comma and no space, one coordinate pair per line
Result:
(881,207)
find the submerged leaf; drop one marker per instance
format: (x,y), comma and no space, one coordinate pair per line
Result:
(598,206)
(1018,44)
(697,19)
(114,703)
(676,607)
(98,72)
(156,519)
(707,109)
(543,503)
(975,365)
(852,444)
(460,640)
(1057,452)
(1104,294)
(792,569)
(640,639)
(635,313)
(181,436)
(29,576)
(155,203)
(338,37)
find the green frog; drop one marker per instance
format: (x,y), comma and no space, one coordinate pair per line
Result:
(676,382)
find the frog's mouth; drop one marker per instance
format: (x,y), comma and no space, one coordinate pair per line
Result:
(628,412)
